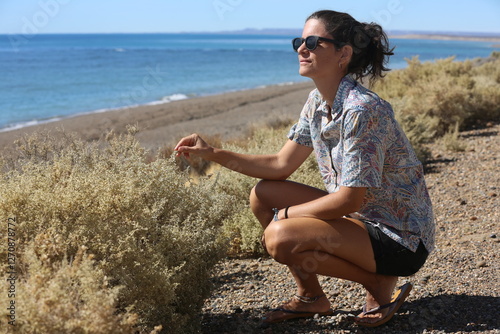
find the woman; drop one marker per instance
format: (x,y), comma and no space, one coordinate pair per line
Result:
(374,222)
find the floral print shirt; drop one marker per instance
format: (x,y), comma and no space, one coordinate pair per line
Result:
(362,145)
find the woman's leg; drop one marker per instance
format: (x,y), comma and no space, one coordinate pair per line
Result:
(338,248)
(267,195)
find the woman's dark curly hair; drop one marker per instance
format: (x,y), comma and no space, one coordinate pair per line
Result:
(369,42)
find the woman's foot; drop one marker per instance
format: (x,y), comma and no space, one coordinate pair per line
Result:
(373,317)
(376,296)
(299,307)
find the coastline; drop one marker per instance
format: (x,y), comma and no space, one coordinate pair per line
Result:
(229,115)
(446,37)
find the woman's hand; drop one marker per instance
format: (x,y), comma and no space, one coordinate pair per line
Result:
(263,166)
(193,144)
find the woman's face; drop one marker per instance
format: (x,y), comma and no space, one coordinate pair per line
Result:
(323,62)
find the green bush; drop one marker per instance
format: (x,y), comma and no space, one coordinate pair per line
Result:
(150,232)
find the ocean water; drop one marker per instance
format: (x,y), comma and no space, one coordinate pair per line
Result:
(49,77)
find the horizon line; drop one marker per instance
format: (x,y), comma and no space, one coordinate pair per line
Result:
(276,31)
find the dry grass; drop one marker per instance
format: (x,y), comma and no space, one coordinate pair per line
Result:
(151,241)
(431,98)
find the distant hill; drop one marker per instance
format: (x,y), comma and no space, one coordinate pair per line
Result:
(252,31)
(391,33)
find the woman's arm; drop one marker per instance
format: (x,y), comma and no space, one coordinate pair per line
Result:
(277,166)
(335,205)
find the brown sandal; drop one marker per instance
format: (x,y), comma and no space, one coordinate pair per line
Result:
(291,314)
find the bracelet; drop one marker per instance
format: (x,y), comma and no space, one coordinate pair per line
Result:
(286,212)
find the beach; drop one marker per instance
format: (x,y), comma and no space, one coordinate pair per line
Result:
(228,115)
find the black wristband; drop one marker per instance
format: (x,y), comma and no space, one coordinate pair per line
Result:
(286,212)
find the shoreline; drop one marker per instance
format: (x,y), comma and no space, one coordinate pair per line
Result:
(446,37)
(169,99)
(228,114)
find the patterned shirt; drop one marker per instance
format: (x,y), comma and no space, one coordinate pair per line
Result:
(362,145)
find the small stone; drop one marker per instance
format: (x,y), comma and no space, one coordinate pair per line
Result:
(473,218)
(462,202)
(425,279)
(481,264)
(493,236)
(335,293)
(492,194)
(238,310)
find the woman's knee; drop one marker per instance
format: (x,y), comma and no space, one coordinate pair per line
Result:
(254,199)
(277,243)
(259,190)
(259,196)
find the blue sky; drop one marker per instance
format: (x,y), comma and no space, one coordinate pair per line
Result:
(120,16)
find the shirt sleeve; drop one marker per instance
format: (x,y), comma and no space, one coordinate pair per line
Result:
(363,147)
(301,131)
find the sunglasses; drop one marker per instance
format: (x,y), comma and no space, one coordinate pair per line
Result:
(312,42)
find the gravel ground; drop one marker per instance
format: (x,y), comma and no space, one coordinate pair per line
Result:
(457,290)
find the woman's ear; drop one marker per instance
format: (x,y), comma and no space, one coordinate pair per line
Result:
(345,55)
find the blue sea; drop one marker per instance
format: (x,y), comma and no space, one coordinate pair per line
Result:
(49,77)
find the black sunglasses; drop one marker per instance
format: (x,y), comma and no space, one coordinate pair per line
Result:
(312,42)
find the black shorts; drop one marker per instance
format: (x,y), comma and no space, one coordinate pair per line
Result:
(392,258)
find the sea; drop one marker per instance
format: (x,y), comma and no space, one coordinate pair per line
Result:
(44,78)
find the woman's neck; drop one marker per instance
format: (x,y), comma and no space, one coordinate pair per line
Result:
(328,89)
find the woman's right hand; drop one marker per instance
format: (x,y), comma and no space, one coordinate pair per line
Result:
(193,144)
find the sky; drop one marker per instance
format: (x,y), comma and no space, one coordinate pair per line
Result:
(165,16)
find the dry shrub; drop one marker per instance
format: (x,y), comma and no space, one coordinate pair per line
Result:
(149,233)
(451,141)
(430,98)
(67,297)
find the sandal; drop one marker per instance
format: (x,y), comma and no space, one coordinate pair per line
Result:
(292,314)
(397,300)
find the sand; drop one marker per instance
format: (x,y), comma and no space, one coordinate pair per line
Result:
(229,115)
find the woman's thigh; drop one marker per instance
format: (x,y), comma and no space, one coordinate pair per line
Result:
(280,194)
(342,238)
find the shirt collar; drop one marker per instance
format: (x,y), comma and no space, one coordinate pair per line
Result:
(346,85)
